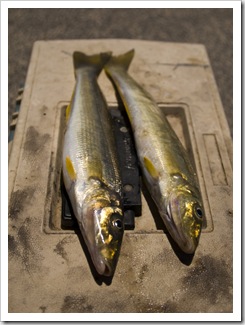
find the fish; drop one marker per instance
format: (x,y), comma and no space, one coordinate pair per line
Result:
(90,165)
(167,169)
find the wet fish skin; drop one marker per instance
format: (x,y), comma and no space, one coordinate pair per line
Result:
(90,167)
(167,169)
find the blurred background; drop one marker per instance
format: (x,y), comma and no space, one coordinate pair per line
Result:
(211,27)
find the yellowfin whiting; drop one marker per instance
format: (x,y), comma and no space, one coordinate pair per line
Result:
(90,166)
(169,174)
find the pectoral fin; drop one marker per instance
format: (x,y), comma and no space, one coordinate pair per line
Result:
(150,168)
(70,169)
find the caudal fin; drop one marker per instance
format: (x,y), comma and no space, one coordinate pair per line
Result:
(97,61)
(122,61)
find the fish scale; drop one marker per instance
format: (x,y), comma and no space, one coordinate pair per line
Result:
(93,143)
(166,166)
(90,167)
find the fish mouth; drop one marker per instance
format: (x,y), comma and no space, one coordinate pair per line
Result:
(173,225)
(103,267)
(107,270)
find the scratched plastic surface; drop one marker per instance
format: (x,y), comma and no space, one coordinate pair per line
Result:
(49,268)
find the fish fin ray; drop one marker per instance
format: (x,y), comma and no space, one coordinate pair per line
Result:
(70,169)
(97,61)
(68,108)
(94,169)
(150,168)
(68,112)
(122,60)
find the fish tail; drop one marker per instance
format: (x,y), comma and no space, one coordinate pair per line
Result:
(97,61)
(122,61)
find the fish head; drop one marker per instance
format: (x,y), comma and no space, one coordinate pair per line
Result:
(103,231)
(184,219)
(108,238)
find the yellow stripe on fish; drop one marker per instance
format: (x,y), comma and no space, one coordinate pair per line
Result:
(150,168)
(70,169)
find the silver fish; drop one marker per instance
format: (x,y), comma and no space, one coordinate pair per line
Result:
(167,169)
(90,167)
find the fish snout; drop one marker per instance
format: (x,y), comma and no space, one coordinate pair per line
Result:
(103,267)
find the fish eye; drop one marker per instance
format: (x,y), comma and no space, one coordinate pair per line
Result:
(198,212)
(116,222)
